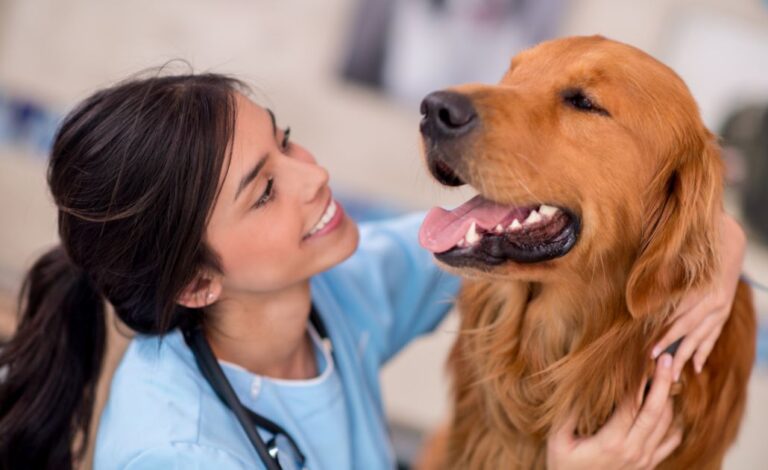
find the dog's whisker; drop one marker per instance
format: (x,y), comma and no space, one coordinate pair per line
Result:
(521,182)
(526,159)
(548,183)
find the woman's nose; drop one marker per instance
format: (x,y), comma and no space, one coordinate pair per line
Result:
(300,153)
(319,181)
(309,177)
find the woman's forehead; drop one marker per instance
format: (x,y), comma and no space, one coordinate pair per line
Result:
(251,112)
(254,135)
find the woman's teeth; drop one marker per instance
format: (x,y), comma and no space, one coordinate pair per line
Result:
(327,216)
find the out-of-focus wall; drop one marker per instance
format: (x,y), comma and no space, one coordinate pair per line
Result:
(59,51)
(718,47)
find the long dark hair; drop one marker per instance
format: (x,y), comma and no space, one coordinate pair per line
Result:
(134,172)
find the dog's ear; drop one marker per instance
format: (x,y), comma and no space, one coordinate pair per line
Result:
(679,242)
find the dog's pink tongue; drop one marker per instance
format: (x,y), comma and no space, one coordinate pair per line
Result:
(442,229)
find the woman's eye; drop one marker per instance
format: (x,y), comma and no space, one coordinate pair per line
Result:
(266,195)
(286,139)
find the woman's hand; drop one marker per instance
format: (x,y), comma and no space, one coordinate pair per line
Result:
(633,438)
(701,314)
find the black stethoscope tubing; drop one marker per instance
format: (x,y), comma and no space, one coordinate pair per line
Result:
(249,420)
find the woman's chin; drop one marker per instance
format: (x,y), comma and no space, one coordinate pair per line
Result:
(340,244)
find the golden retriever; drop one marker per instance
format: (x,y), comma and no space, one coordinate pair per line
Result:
(598,207)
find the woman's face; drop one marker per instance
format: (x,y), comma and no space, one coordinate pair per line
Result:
(275,222)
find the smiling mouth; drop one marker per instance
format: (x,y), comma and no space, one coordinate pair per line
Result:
(325,219)
(484,233)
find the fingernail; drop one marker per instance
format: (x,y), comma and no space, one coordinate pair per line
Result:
(666,361)
(697,367)
(656,351)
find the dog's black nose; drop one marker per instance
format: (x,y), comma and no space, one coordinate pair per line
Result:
(447,114)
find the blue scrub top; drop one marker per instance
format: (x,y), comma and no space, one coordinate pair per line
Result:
(161,413)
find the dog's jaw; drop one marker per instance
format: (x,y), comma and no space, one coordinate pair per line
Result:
(522,247)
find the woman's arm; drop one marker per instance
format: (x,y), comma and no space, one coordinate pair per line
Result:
(638,435)
(391,288)
(702,313)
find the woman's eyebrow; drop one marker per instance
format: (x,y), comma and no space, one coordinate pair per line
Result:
(251,175)
(274,121)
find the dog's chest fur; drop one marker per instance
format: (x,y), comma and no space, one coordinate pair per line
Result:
(528,361)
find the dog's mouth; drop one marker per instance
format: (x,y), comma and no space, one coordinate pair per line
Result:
(481,232)
(444,173)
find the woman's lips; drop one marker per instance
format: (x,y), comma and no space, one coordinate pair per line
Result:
(331,218)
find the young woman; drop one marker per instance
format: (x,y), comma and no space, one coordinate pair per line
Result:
(263,313)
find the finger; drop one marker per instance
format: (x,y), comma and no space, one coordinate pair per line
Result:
(689,301)
(666,448)
(662,428)
(700,358)
(679,328)
(620,422)
(691,343)
(653,408)
(640,396)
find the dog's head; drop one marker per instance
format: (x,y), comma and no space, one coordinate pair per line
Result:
(589,156)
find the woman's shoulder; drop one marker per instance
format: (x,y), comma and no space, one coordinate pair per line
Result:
(405,228)
(382,243)
(385,251)
(157,366)
(390,290)
(155,406)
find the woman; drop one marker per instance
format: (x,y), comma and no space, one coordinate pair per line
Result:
(184,206)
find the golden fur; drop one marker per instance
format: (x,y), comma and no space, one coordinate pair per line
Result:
(542,340)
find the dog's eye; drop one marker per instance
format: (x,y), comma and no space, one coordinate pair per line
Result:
(580,101)
(577,99)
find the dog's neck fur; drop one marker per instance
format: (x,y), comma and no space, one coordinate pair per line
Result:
(523,333)
(572,310)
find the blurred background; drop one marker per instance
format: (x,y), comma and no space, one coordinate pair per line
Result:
(347,76)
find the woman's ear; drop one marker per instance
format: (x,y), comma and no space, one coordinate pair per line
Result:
(204,290)
(679,243)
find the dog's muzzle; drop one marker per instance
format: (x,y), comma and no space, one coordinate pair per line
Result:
(447,115)
(447,118)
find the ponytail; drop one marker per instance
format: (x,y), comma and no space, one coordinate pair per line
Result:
(49,369)
(133,205)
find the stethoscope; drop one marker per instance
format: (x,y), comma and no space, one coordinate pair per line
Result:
(281,452)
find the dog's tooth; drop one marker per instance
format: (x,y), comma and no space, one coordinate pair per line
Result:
(533,217)
(461,243)
(515,225)
(472,236)
(548,211)
(499,229)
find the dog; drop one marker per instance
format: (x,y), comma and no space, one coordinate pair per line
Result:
(598,206)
